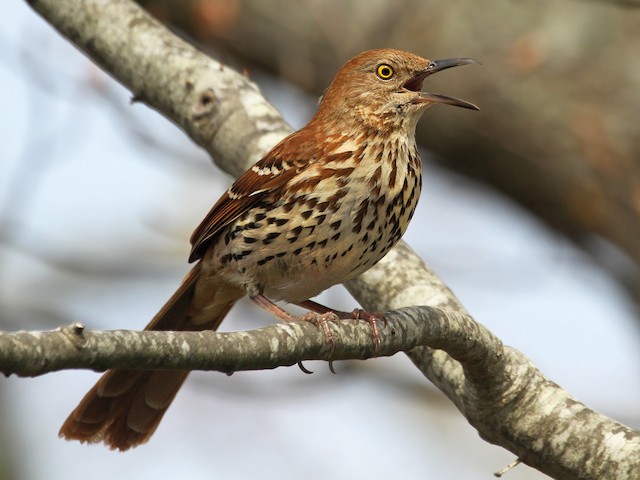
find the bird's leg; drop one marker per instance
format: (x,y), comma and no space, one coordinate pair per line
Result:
(321,319)
(358,314)
(272,308)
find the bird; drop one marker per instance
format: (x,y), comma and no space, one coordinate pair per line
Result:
(322,207)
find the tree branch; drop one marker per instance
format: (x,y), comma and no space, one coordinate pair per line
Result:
(219,109)
(501,395)
(37,353)
(498,390)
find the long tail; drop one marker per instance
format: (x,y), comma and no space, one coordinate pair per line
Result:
(125,407)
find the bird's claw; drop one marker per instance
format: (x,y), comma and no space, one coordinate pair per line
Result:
(322,321)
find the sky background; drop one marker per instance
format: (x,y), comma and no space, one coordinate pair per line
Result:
(97,201)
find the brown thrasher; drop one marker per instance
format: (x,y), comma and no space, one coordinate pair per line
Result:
(326,204)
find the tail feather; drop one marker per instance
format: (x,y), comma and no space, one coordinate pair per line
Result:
(124,407)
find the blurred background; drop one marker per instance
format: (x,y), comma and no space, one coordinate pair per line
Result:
(530,213)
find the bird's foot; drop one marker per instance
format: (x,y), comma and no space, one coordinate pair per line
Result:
(358,314)
(322,321)
(372,318)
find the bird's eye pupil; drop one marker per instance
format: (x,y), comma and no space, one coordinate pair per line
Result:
(385,72)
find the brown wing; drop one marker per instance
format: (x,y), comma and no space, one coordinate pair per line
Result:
(266,176)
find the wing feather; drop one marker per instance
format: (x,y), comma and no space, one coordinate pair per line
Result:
(267,176)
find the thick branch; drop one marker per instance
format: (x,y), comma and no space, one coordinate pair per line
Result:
(507,397)
(500,392)
(37,353)
(496,388)
(219,109)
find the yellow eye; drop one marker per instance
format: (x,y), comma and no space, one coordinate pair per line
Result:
(384,71)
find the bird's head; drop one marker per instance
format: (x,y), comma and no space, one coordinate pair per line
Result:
(386,86)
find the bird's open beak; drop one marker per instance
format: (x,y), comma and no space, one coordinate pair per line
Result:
(415,83)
